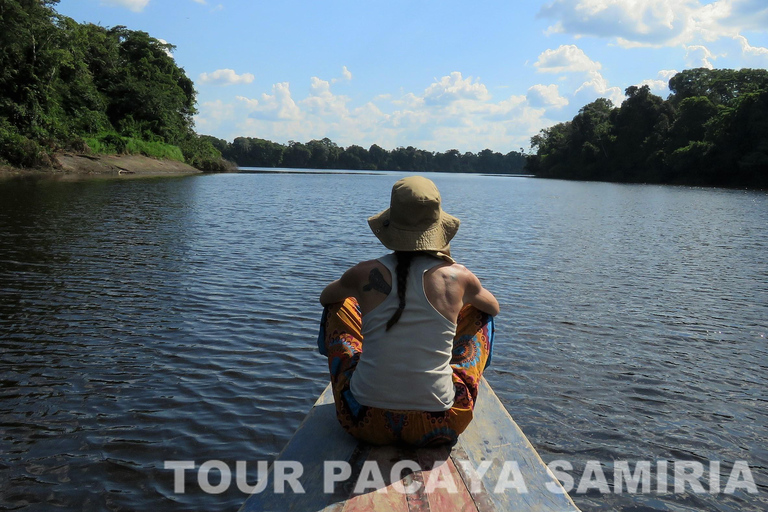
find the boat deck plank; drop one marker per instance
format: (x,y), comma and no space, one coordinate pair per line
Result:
(443,479)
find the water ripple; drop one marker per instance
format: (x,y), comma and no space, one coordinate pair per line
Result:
(175,319)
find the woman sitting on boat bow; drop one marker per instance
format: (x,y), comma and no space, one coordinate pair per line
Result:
(425,324)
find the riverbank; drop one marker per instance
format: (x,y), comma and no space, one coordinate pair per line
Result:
(74,165)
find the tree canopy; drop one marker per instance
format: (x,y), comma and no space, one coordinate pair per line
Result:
(712,130)
(65,84)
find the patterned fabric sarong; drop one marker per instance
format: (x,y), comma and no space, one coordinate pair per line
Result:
(341,340)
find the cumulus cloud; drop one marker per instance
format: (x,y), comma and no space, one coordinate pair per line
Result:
(751,51)
(225,77)
(743,14)
(452,88)
(346,75)
(133,5)
(322,101)
(277,106)
(660,84)
(698,56)
(213,115)
(249,104)
(545,96)
(655,22)
(597,87)
(630,22)
(451,112)
(567,58)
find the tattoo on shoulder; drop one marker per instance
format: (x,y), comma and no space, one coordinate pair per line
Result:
(377,283)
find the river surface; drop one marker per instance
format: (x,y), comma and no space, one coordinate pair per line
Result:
(174,319)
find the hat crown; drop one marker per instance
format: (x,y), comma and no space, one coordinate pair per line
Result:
(415,204)
(415,220)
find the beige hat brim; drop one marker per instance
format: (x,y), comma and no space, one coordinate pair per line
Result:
(395,238)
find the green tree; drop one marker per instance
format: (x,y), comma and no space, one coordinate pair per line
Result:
(553,151)
(324,154)
(721,86)
(29,64)
(355,157)
(149,95)
(448,161)
(739,139)
(296,155)
(379,157)
(640,126)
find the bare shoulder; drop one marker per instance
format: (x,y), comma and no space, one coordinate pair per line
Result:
(456,272)
(363,269)
(469,287)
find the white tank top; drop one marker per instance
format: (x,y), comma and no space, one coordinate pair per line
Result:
(407,367)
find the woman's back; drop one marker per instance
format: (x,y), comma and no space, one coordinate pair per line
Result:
(422,379)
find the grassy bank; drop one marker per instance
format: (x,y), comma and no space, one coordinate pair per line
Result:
(108,153)
(114,144)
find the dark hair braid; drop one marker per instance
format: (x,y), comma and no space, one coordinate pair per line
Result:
(403,266)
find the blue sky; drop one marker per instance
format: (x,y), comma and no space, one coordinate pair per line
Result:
(432,74)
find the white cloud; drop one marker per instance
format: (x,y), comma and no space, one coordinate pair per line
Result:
(277,106)
(743,14)
(133,5)
(408,101)
(567,58)
(545,96)
(751,51)
(629,21)
(597,87)
(453,88)
(452,112)
(346,75)
(213,115)
(225,77)
(666,74)
(698,56)
(660,84)
(201,2)
(249,103)
(322,101)
(656,22)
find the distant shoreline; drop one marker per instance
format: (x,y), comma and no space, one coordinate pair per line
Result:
(74,165)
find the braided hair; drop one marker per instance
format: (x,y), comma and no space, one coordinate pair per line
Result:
(401,270)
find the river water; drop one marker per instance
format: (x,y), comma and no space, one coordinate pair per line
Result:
(174,319)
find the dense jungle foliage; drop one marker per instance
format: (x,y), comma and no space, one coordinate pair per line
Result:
(325,154)
(711,131)
(65,85)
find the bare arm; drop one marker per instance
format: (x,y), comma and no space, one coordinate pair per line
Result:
(365,282)
(482,299)
(340,289)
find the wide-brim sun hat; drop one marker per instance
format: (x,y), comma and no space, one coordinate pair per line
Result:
(415,220)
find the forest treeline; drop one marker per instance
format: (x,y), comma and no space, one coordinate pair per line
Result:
(86,88)
(83,87)
(326,154)
(712,131)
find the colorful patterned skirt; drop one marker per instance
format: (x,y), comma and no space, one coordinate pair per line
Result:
(341,340)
